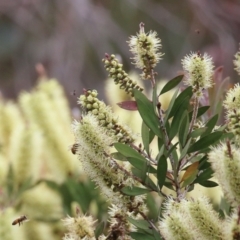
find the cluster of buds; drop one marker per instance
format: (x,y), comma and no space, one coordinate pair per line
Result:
(120,77)
(91,104)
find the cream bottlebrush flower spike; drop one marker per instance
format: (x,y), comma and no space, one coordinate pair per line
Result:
(80,227)
(232,105)
(236,62)
(225,161)
(94,141)
(199,72)
(145,48)
(190,219)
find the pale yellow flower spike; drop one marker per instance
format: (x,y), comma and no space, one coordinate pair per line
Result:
(145,48)
(199,72)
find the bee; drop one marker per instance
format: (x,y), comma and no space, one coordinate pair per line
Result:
(74,148)
(19,220)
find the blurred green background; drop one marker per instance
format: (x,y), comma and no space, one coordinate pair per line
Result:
(70,37)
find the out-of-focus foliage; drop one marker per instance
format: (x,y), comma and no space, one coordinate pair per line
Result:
(39,175)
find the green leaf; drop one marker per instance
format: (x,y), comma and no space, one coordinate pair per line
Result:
(99,229)
(204,164)
(161,170)
(198,132)
(171,84)
(148,182)
(179,115)
(134,191)
(127,151)
(227,136)
(168,184)
(208,184)
(153,208)
(170,106)
(183,128)
(190,174)
(142,164)
(185,149)
(147,112)
(210,125)
(172,149)
(142,236)
(141,224)
(118,156)
(155,98)
(145,137)
(205,175)
(225,206)
(186,94)
(205,142)
(201,111)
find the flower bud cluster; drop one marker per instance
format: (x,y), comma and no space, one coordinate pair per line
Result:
(145,48)
(190,219)
(104,115)
(199,72)
(120,77)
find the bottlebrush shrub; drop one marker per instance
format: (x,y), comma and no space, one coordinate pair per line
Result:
(191,149)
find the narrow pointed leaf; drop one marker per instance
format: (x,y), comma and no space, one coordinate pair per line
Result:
(161,170)
(127,151)
(170,106)
(171,84)
(142,165)
(134,191)
(201,111)
(208,184)
(183,128)
(128,105)
(186,94)
(147,112)
(204,176)
(191,170)
(141,236)
(145,137)
(205,142)
(148,182)
(210,125)
(118,156)
(185,149)
(198,132)
(178,118)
